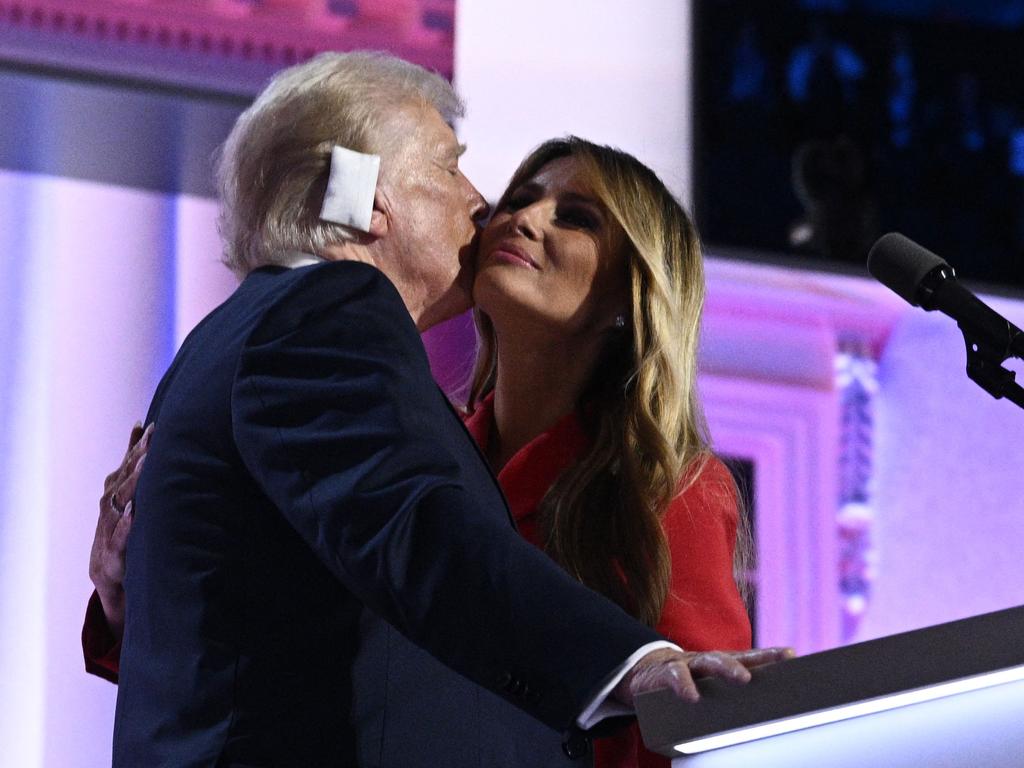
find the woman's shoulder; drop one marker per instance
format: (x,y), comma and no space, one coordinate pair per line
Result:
(710,470)
(707,491)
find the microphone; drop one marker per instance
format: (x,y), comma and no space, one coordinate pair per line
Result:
(925,280)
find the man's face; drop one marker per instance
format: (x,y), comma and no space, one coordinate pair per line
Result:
(434,210)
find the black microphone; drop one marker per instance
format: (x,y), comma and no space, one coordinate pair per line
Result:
(923,279)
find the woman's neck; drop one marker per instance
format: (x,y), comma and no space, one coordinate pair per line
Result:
(536,385)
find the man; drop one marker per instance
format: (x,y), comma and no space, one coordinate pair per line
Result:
(319,547)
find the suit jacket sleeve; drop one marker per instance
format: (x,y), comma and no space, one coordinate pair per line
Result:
(336,417)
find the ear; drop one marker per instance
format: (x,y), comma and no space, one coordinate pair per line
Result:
(380,218)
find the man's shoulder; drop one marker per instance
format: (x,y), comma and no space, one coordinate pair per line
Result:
(336,292)
(345,274)
(321,303)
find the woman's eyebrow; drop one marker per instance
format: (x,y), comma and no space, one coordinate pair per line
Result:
(576,197)
(573,197)
(533,187)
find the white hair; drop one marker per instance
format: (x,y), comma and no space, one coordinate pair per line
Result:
(273,168)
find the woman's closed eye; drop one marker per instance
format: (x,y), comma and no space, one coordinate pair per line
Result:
(517,201)
(578,216)
(571,212)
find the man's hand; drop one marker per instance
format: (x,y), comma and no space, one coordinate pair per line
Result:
(667,668)
(106,562)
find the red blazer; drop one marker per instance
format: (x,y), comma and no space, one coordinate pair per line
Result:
(102,652)
(704,610)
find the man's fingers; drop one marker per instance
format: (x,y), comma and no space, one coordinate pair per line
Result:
(759,656)
(678,671)
(666,674)
(681,681)
(721,665)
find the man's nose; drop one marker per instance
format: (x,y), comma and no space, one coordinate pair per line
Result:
(479,209)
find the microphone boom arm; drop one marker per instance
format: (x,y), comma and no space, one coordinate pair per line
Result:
(985,368)
(990,338)
(924,280)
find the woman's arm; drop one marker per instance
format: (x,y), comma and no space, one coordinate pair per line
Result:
(704,609)
(104,618)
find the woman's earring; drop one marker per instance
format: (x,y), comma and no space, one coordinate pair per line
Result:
(620,321)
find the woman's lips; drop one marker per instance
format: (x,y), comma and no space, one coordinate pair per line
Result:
(512,254)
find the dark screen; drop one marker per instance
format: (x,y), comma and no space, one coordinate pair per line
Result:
(821,124)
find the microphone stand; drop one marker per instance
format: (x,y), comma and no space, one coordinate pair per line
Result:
(923,279)
(985,364)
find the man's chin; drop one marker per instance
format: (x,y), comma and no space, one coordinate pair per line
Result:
(467,267)
(459,300)
(462,288)
(453,303)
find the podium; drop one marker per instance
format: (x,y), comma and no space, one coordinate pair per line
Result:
(947,696)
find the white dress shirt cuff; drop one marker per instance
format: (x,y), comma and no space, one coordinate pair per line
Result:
(600,707)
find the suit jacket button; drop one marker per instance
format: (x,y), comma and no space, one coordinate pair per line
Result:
(576,745)
(505,681)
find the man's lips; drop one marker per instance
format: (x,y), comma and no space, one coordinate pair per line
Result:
(513,254)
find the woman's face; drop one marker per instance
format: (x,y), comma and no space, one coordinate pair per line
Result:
(552,257)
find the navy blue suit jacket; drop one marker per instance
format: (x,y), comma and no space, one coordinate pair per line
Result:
(322,570)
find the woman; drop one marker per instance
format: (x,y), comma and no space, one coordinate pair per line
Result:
(589,290)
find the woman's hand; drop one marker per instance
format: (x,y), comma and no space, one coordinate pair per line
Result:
(106,562)
(667,668)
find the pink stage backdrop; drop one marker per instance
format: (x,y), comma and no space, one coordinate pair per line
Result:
(231,45)
(92,309)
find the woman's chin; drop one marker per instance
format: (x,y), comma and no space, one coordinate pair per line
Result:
(494,295)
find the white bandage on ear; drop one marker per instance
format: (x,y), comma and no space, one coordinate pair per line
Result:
(350,189)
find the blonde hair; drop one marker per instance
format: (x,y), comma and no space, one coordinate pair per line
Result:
(273,168)
(602,518)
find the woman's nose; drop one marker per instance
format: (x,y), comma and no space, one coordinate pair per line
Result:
(523,221)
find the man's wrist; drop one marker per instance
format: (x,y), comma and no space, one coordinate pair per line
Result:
(604,704)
